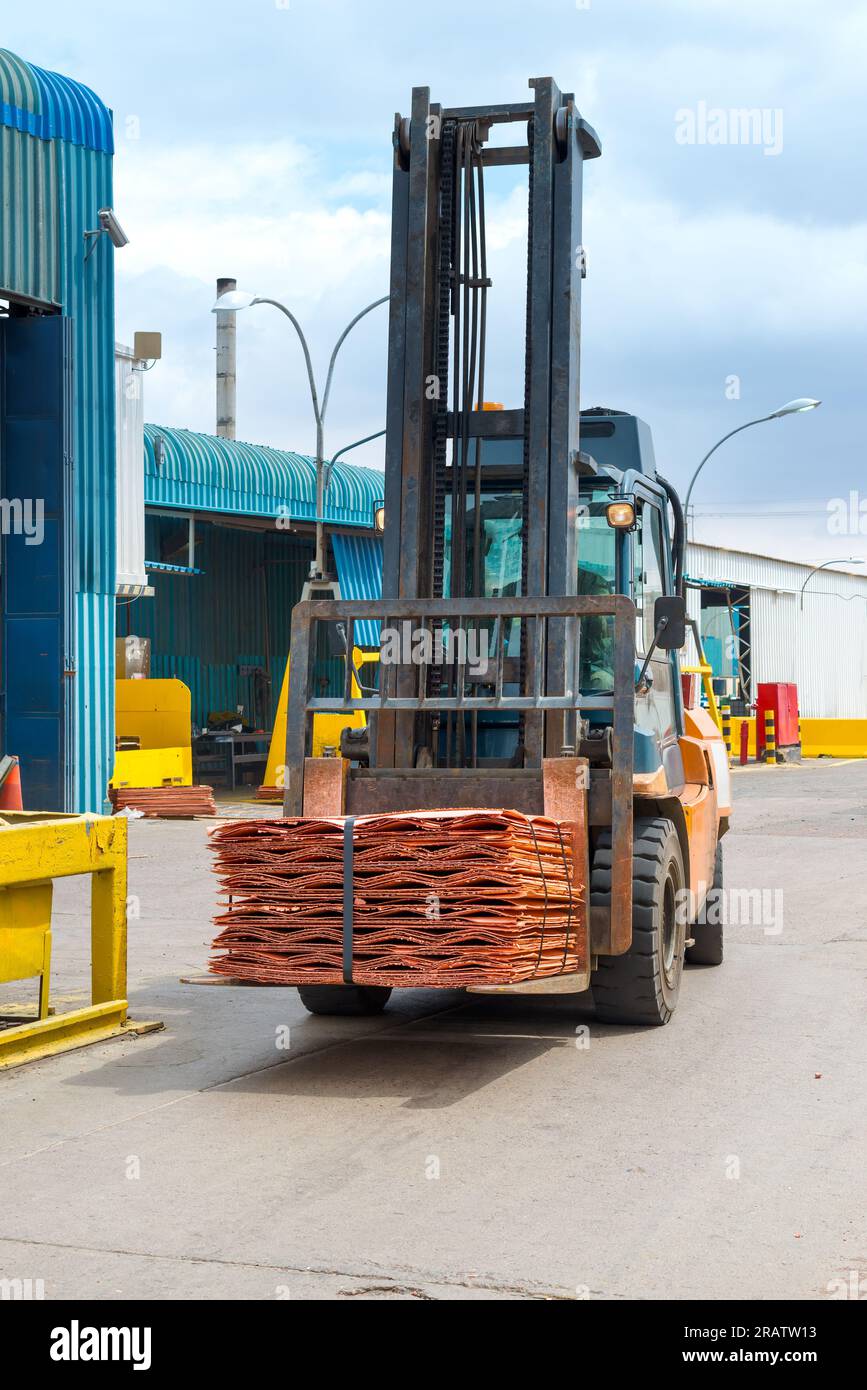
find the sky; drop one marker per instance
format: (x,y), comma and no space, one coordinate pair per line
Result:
(727,258)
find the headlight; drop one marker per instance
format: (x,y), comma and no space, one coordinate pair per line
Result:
(620,514)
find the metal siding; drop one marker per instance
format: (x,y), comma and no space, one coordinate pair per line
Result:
(37,618)
(29,215)
(359,571)
(202,472)
(88,298)
(822,648)
(94,683)
(55,172)
(203,628)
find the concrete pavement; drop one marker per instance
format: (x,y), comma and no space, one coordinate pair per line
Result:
(460,1147)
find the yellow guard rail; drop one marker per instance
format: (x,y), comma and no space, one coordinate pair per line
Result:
(35,848)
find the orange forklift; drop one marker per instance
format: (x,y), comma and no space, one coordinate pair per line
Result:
(544,536)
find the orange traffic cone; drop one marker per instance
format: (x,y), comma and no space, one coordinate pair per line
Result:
(10,784)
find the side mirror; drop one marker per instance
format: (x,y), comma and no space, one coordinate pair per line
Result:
(669,620)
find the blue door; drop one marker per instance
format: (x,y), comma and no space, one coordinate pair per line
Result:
(36,555)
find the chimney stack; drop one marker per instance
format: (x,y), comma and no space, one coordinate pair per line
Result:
(226,364)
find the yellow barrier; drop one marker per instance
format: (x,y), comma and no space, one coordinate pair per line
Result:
(835,738)
(36,847)
(737,722)
(326,727)
(828,738)
(158,714)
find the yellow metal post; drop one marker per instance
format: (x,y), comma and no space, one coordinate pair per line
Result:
(34,849)
(770,737)
(706,673)
(326,727)
(108,924)
(726,713)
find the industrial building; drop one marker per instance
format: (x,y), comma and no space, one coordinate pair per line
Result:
(227,543)
(57,427)
(766,619)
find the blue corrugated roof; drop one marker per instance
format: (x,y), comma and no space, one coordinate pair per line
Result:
(202,472)
(359,573)
(51,106)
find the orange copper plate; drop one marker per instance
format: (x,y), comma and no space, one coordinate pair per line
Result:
(439,898)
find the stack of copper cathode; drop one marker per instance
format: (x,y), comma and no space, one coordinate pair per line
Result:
(438,898)
(165,803)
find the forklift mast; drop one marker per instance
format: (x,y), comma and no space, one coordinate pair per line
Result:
(438,436)
(440,733)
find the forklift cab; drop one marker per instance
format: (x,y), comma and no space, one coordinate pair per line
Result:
(636,559)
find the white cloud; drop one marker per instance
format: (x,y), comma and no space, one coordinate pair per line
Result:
(665,281)
(725,272)
(258,212)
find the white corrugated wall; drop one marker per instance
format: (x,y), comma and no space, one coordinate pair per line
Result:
(129,503)
(822,647)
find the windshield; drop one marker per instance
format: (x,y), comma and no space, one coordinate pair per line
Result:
(596,575)
(500,546)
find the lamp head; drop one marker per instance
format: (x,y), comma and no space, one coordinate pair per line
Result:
(232,300)
(795,407)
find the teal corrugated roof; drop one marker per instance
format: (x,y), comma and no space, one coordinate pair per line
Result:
(51,106)
(202,472)
(20,106)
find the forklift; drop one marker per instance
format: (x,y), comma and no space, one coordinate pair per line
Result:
(544,538)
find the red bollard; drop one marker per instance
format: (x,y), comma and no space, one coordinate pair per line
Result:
(745,743)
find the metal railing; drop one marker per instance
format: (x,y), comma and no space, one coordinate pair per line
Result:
(450,620)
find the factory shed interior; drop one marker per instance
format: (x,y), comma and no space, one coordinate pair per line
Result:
(228,541)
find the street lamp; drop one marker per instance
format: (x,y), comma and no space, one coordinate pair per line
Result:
(231,302)
(356,444)
(795,407)
(845,560)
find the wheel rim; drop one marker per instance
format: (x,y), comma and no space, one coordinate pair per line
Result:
(669,924)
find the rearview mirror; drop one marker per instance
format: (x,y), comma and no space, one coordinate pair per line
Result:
(669,620)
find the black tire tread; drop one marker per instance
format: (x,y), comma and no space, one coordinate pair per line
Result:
(627,988)
(344,1001)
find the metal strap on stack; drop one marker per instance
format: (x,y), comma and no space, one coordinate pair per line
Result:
(348,896)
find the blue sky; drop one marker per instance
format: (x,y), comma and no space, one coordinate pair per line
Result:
(253,139)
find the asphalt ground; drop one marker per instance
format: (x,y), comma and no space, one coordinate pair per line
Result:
(460,1147)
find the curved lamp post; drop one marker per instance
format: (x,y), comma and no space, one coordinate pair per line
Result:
(234,300)
(790,408)
(845,560)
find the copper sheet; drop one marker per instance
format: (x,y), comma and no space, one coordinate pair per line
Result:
(165,803)
(440,898)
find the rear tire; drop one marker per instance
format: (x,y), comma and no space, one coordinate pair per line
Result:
(707,936)
(642,985)
(344,1000)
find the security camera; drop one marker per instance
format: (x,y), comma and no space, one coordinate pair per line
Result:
(109,223)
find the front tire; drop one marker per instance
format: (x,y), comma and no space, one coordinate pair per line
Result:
(642,985)
(707,936)
(344,1001)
